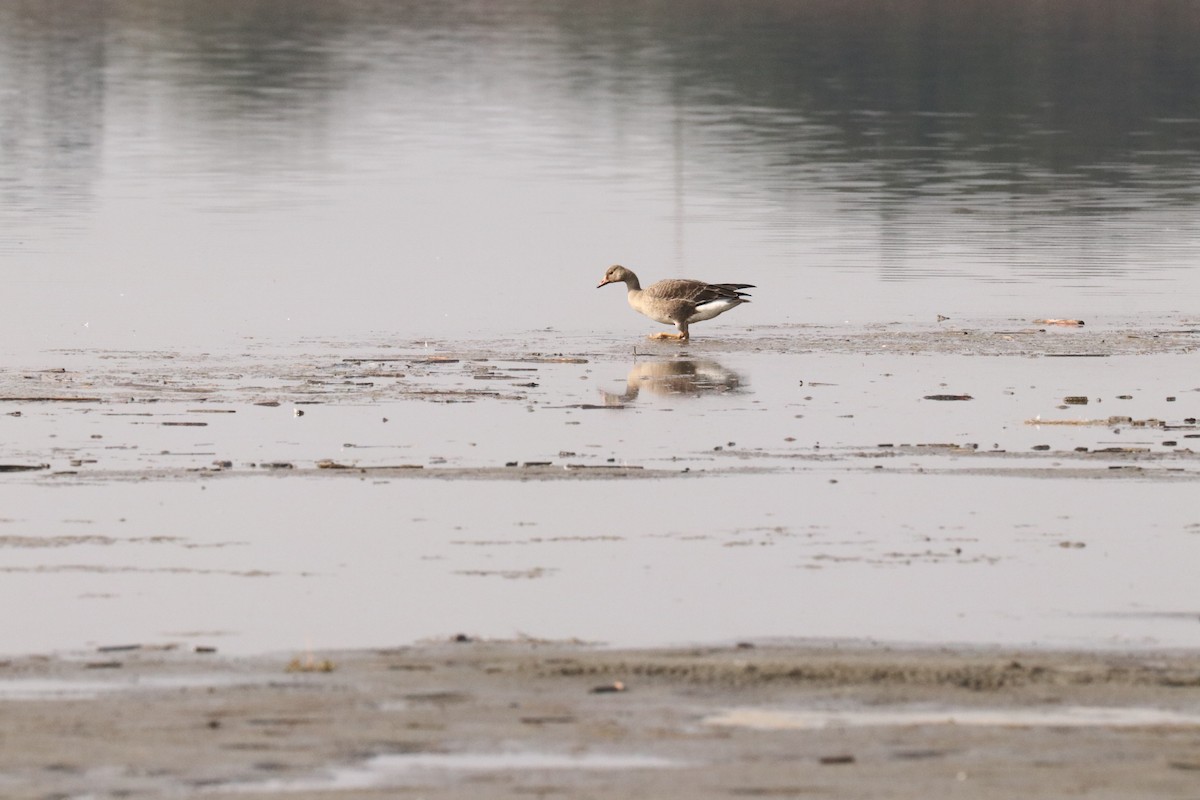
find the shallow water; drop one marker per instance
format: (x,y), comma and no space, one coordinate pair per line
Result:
(1009,560)
(752,490)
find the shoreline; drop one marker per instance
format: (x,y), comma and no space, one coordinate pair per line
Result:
(514,719)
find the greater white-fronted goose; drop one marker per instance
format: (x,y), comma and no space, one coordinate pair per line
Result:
(676,301)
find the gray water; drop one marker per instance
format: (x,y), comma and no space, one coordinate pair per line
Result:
(239,233)
(185,174)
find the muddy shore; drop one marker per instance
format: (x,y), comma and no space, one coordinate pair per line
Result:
(468,719)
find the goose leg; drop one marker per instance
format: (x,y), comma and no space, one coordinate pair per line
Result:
(682,336)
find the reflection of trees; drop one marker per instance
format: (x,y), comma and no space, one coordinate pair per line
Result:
(911,95)
(266,50)
(687,377)
(51,102)
(1035,89)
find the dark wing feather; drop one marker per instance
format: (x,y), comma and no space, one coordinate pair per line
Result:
(733,289)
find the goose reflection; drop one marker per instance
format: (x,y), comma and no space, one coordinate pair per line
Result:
(674,378)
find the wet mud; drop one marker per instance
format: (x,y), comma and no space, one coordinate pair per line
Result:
(137,415)
(468,718)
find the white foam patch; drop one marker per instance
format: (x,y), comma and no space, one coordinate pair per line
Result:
(1069,716)
(50,689)
(77,689)
(393,770)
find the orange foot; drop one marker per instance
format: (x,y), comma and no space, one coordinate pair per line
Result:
(678,337)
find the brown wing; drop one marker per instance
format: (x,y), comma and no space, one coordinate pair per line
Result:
(696,293)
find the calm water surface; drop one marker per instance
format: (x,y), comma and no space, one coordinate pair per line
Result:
(180,178)
(179,174)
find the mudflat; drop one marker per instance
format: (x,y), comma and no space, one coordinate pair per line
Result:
(466,719)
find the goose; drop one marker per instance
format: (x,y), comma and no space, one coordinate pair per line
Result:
(677,302)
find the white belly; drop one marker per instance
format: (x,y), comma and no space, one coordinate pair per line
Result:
(712,309)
